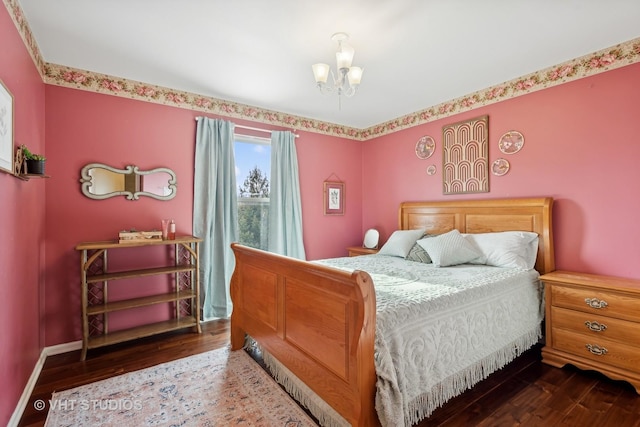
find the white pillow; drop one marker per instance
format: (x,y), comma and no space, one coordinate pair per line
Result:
(507,248)
(449,249)
(401,242)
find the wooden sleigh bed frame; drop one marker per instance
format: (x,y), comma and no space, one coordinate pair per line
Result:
(319,322)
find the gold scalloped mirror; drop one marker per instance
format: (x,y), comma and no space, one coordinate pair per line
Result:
(101,181)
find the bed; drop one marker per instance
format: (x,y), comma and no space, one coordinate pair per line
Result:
(317,321)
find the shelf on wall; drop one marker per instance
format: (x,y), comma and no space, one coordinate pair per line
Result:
(28,176)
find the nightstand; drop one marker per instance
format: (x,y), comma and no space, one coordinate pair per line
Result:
(593,322)
(359,250)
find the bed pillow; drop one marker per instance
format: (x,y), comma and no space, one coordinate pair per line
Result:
(450,248)
(418,254)
(517,249)
(401,242)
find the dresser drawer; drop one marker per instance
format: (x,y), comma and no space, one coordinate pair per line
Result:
(613,304)
(616,354)
(596,326)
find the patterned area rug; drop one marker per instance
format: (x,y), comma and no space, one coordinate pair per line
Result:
(217,388)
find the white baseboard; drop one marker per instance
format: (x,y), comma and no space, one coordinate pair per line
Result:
(62,348)
(33,379)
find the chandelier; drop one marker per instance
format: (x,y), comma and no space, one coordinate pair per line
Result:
(348,77)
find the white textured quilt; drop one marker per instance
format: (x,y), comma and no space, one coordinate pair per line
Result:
(439,331)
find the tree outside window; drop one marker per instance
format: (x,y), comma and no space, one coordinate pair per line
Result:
(253,210)
(253,168)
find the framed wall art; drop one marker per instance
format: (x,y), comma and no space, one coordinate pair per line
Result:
(6,129)
(465,157)
(334,198)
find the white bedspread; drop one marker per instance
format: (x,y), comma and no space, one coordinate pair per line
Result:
(439,331)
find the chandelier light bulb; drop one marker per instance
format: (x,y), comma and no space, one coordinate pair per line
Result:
(321,72)
(343,59)
(355,75)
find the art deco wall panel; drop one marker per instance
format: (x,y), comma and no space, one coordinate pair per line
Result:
(465,159)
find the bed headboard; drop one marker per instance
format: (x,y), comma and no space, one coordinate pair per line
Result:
(483,216)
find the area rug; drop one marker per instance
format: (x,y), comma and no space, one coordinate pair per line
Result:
(217,388)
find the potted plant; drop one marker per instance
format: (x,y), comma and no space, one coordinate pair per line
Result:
(34,162)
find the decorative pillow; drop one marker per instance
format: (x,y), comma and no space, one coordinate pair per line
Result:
(418,254)
(449,249)
(507,248)
(401,242)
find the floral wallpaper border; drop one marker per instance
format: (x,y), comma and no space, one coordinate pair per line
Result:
(623,54)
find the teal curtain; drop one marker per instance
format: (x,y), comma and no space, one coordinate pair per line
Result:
(285,207)
(215,212)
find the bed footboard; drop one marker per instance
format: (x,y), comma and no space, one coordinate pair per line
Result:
(317,321)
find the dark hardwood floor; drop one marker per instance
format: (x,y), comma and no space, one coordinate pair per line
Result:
(525,393)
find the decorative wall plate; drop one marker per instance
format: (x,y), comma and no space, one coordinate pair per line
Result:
(499,167)
(431,169)
(425,147)
(511,142)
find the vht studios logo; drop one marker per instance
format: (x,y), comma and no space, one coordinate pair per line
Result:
(93,404)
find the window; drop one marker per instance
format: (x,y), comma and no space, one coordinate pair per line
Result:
(253,169)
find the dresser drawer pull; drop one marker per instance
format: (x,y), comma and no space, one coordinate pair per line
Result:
(597,350)
(595,326)
(595,303)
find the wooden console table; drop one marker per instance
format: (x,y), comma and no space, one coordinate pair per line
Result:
(96,278)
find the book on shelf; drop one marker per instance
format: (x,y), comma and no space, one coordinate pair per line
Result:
(138,236)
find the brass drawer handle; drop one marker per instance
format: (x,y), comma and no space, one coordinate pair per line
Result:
(595,326)
(595,303)
(597,350)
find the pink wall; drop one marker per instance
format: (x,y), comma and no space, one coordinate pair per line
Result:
(21,227)
(84,127)
(322,158)
(581,147)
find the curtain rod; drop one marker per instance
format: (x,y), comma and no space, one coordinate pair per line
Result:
(256,129)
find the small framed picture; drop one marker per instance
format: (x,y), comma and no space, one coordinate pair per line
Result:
(6,129)
(333,198)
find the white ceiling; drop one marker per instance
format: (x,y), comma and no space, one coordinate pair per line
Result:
(415,53)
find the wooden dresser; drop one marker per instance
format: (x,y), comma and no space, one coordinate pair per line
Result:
(593,322)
